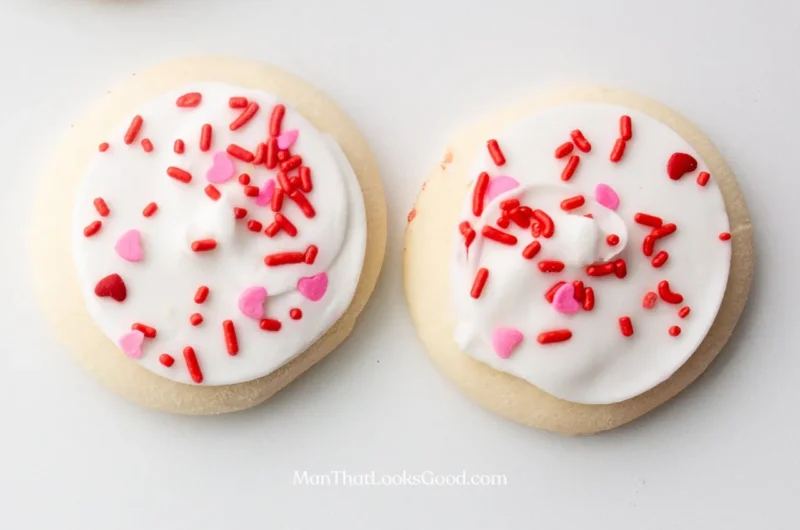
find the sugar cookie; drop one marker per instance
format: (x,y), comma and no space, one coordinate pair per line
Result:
(600,256)
(226,223)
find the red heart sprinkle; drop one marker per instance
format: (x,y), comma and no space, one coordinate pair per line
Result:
(113,286)
(679,164)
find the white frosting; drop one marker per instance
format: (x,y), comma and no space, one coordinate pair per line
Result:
(597,364)
(161,287)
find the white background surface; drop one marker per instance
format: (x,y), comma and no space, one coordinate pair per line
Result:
(724,454)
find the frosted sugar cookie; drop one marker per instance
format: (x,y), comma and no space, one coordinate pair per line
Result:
(208,233)
(598,258)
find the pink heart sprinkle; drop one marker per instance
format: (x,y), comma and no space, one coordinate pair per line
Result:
(251,302)
(129,246)
(499,185)
(131,344)
(564,300)
(287,139)
(505,341)
(605,195)
(222,168)
(313,287)
(265,195)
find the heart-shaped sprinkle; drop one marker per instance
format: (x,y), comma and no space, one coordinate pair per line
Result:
(679,164)
(265,195)
(313,287)
(113,286)
(499,185)
(222,168)
(605,195)
(505,341)
(129,246)
(564,300)
(131,344)
(287,139)
(251,302)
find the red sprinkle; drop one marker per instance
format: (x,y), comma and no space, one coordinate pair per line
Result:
(133,129)
(479,283)
(531,250)
(649,300)
(468,233)
(572,203)
(564,149)
(201,294)
(546,222)
(724,236)
(625,128)
(648,220)
(495,153)
(295,314)
(261,154)
(277,200)
(626,326)
(509,204)
(237,102)
(275,120)
(284,182)
(179,147)
(92,228)
(301,201)
(663,231)
(204,245)
(551,293)
(245,116)
(588,299)
(702,178)
(675,331)
(411,215)
(305,179)
(284,258)
(684,311)
(150,209)
(196,319)
(147,145)
(230,337)
(285,224)
(536,229)
(490,232)
(241,153)
(269,324)
(148,332)
(206,133)
(520,218)
(660,259)
(244,179)
(618,150)
(580,141)
(271,157)
(603,269)
(192,99)
(239,213)
(577,291)
(569,169)
(551,266)
(192,365)
(647,245)
(667,295)
(179,174)
(283,155)
(503,222)
(293,162)
(166,359)
(620,268)
(558,335)
(311,254)
(612,240)
(101,207)
(272,230)
(103,147)
(478,193)
(213,192)
(251,191)
(254,226)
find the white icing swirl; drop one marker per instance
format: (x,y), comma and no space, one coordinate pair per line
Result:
(161,287)
(598,364)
